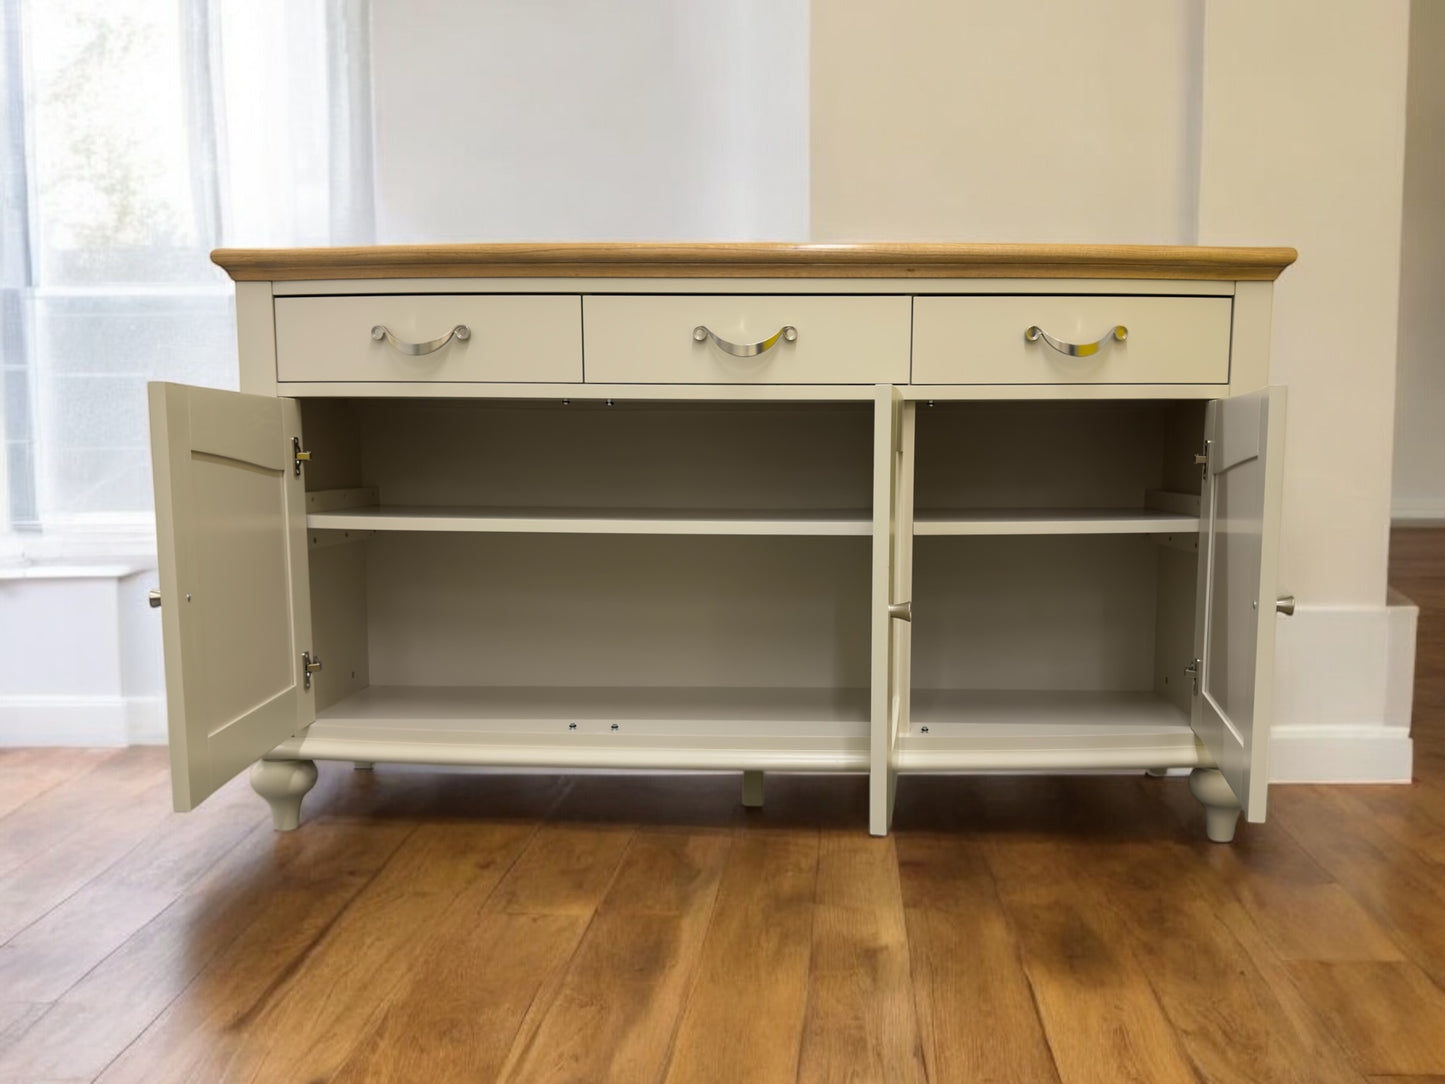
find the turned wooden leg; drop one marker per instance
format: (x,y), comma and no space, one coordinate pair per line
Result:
(283,783)
(753,790)
(1221,807)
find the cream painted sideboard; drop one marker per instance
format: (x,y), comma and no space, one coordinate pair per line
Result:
(861,508)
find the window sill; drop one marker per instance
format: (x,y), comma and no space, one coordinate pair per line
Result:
(112,551)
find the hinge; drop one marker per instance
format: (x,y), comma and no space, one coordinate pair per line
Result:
(299,455)
(1201,460)
(309,666)
(1193,671)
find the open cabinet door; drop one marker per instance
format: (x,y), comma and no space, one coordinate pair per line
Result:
(236,612)
(892,595)
(1235,611)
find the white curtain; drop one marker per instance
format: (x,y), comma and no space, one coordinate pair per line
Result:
(137,135)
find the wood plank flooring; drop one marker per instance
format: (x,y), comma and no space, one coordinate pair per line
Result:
(452,926)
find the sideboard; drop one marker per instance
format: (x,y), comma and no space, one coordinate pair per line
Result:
(874,508)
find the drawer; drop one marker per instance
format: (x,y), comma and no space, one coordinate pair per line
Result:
(981,340)
(519,338)
(840,340)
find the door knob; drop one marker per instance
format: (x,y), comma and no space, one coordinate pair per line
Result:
(901,611)
(1284,605)
(153,597)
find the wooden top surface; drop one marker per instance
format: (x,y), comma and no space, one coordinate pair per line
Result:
(754,260)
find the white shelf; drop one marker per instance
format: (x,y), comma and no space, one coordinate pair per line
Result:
(1019,521)
(594,521)
(978,730)
(656,728)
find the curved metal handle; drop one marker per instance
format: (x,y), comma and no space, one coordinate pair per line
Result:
(461,332)
(745,350)
(1075,350)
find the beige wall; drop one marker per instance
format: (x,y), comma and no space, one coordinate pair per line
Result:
(1134,120)
(1303,142)
(1420,398)
(976,120)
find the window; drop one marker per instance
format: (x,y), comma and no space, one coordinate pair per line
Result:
(135,136)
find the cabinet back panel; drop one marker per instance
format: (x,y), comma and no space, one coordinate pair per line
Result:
(1008,454)
(1038,612)
(632,455)
(578,610)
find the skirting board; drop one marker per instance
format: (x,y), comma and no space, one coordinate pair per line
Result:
(1328,754)
(1343,693)
(1417,512)
(95,721)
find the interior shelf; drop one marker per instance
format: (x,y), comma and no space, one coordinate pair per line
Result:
(1020,521)
(977,730)
(675,521)
(775,729)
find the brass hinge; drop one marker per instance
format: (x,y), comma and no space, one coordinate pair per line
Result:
(1193,671)
(309,666)
(1201,460)
(299,456)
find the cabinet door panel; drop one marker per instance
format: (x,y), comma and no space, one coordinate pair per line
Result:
(892,583)
(231,537)
(1234,631)
(900,643)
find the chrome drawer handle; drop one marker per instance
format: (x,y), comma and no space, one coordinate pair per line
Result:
(745,350)
(1076,350)
(461,332)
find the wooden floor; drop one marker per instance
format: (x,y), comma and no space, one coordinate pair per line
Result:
(439,926)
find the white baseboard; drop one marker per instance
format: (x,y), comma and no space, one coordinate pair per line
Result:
(1417,512)
(1336,754)
(145,720)
(1343,694)
(97,721)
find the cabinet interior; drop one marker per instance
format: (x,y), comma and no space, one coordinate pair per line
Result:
(666,573)
(1054,571)
(695,578)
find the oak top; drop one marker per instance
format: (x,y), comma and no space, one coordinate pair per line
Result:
(754,260)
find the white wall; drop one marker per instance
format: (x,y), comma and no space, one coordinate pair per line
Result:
(1226,122)
(81,663)
(974,120)
(1303,143)
(1420,397)
(570,120)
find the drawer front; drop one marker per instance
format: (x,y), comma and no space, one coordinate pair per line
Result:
(982,340)
(840,340)
(512,338)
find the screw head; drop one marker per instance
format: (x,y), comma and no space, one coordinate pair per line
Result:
(615,726)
